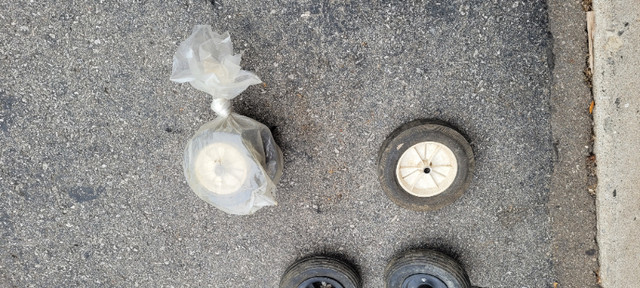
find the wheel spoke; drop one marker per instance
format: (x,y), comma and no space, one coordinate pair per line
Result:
(417,152)
(434,181)
(236,169)
(410,167)
(233,176)
(414,171)
(425,151)
(436,171)
(435,152)
(220,151)
(415,182)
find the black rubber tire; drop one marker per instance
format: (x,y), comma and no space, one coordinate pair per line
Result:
(427,262)
(413,133)
(320,266)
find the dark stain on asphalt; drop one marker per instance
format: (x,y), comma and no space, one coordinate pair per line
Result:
(173,130)
(85,193)
(511,216)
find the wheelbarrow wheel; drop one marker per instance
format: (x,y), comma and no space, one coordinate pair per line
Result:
(425,269)
(425,165)
(320,272)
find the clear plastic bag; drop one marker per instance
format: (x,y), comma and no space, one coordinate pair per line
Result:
(233,161)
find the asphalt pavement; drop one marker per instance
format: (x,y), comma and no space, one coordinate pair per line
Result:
(92,134)
(572,198)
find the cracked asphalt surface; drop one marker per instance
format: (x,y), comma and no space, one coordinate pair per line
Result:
(92,134)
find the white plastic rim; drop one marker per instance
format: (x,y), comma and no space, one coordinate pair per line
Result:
(221,168)
(427,169)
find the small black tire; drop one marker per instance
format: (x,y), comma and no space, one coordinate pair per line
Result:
(413,133)
(314,268)
(425,264)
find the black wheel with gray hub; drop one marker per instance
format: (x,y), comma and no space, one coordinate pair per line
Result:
(425,269)
(320,272)
(425,165)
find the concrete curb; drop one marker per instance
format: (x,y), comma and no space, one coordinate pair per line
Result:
(617,118)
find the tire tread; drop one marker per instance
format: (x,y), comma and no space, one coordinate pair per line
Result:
(454,271)
(306,265)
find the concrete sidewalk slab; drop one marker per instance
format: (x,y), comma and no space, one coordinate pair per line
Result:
(617,118)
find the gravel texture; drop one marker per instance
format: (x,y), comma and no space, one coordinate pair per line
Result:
(92,134)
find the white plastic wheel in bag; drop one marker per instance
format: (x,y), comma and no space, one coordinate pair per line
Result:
(233,161)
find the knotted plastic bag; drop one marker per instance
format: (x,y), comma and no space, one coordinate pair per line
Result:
(233,161)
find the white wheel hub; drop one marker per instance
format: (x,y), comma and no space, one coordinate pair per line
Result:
(221,168)
(426,169)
